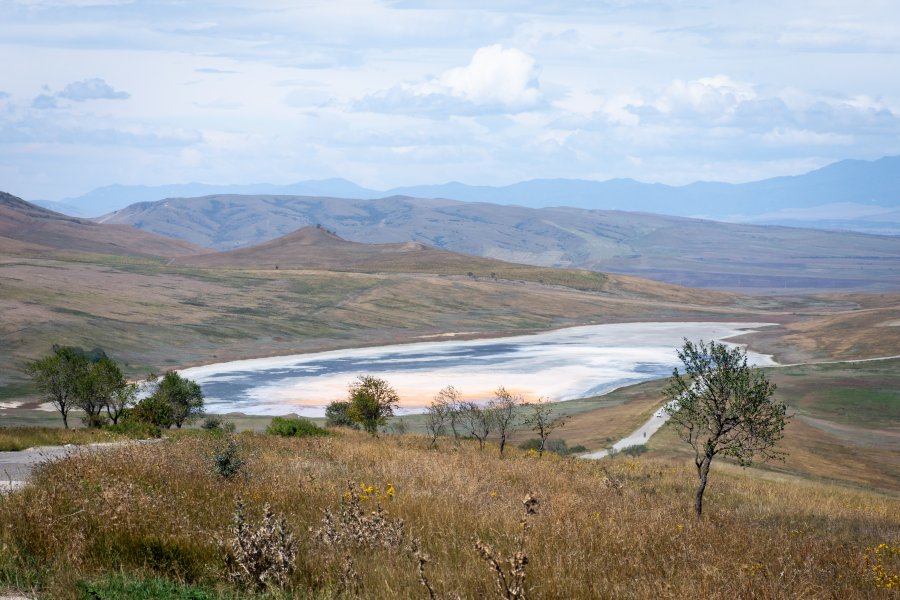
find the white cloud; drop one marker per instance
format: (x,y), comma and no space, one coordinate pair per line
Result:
(91,89)
(497,79)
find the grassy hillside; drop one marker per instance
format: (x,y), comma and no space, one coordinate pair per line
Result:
(28,229)
(143,517)
(150,315)
(691,252)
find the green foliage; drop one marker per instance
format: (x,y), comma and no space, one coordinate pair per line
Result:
(337,414)
(372,401)
(152,410)
(89,380)
(118,587)
(556,446)
(634,451)
(294,427)
(228,459)
(57,377)
(184,397)
(135,429)
(212,423)
(721,405)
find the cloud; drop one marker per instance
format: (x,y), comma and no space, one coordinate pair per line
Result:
(91,89)
(3,95)
(44,101)
(213,71)
(496,80)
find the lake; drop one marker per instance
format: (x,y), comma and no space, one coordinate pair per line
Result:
(562,364)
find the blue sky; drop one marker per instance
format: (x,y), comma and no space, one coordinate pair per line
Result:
(404,92)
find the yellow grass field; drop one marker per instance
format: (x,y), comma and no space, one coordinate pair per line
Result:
(613,529)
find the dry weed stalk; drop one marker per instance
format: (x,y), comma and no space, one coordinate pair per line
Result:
(260,558)
(353,529)
(356,529)
(511,582)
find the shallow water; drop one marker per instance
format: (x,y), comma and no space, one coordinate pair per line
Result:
(563,364)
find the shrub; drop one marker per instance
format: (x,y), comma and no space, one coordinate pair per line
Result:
(212,423)
(634,450)
(557,446)
(151,410)
(337,415)
(294,427)
(135,429)
(263,557)
(227,460)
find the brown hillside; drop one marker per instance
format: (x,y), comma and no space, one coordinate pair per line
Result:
(318,249)
(28,229)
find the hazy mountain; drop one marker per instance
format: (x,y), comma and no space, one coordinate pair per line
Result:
(26,228)
(857,182)
(692,252)
(114,197)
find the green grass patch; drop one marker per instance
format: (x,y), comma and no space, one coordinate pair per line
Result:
(294,427)
(117,587)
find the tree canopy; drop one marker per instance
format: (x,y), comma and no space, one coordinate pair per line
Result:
(721,405)
(372,401)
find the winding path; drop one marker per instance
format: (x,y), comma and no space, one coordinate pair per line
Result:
(643,433)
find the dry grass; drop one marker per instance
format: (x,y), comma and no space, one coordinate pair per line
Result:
(21,438)
(620,528)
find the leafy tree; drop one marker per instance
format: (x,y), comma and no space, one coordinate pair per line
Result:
(541,420)
(122,397)
(502,412)
(476,421)
(58,378)
(720,405)
(372,401)
(183,396)
(152,410)
(337,414)
(99,382)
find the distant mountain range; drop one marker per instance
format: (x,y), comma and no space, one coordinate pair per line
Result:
(866,194)
(690,252)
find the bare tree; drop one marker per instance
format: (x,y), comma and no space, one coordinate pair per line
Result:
(541,420)
(435,418)
(476,421)
(502,411)
(722,406)
(452,399)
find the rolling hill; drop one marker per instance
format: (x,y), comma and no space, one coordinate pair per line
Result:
(690,252)
(26,228)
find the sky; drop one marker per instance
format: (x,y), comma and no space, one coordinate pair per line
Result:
(408,92)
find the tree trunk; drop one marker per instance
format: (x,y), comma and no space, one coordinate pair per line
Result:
(703,471)
(65,416)
(502,443)
(541,450)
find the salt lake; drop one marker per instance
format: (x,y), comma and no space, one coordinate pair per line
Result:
(562,364)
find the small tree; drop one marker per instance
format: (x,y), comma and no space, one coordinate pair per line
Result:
(337,414)
(97,385)
(372,401)
(452,400)
(58,377)
(476,421)
(121,398)
(723,406)
(540,418)
(436,415)
(502,411)
(183,396)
